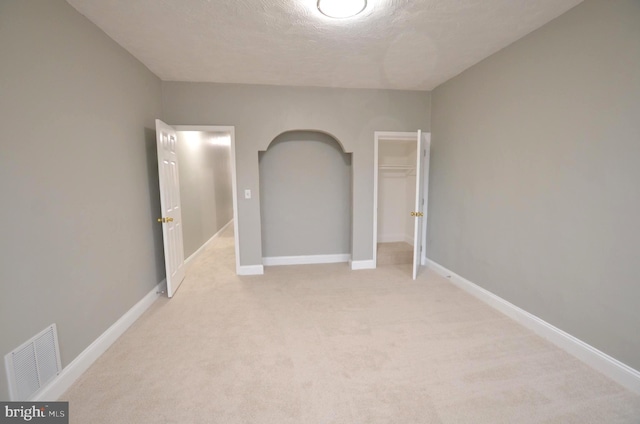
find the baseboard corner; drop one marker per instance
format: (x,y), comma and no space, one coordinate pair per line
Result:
(250,270)
(359,265)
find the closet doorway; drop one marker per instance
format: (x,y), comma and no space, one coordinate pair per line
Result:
(401,169)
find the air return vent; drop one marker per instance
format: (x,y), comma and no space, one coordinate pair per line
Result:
(32,365)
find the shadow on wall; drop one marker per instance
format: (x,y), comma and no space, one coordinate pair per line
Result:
(305,196)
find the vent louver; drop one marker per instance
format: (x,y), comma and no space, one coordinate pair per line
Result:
(32,365)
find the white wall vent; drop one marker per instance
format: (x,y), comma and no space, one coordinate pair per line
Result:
(32,365)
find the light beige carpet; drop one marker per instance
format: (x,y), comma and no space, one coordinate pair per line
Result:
(323,344)
(394,253)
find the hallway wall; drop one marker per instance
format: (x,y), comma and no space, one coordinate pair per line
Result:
(205,186)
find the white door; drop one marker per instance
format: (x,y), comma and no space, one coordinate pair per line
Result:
(426,148)
(422,169)
(171,219)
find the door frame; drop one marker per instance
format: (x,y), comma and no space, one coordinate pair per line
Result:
(232,132)
(379,136)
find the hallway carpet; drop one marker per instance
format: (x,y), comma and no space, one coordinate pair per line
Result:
(322,344)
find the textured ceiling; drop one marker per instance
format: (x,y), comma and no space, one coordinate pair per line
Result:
(397,44)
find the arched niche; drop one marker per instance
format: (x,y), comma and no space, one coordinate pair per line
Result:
(305,199)
(336,136)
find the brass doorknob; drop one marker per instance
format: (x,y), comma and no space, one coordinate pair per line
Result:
(161,220)
(413,214)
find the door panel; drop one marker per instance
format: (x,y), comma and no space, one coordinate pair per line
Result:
(426,148)
(171,219)
(417,227)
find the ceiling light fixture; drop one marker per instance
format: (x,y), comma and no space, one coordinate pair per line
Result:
(341,8)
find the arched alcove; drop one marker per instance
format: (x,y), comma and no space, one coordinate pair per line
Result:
(305,199)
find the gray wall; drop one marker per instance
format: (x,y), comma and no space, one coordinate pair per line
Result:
(78,178)
(305,196)
(261,113)
(205,186)
(534,175)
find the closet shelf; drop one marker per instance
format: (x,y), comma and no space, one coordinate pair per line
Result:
(405,170)
(396,167)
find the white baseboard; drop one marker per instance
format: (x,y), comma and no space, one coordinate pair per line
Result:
(611,367)
(306,260)
(250,270)
(206,243)
(87,357)
(357,265)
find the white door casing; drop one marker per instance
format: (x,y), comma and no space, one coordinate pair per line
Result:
(171,219)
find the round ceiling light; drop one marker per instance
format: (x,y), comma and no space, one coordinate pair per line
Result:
(341,8)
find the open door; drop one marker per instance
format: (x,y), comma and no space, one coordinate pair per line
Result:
(171,219)
(422,169)
(421,164)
